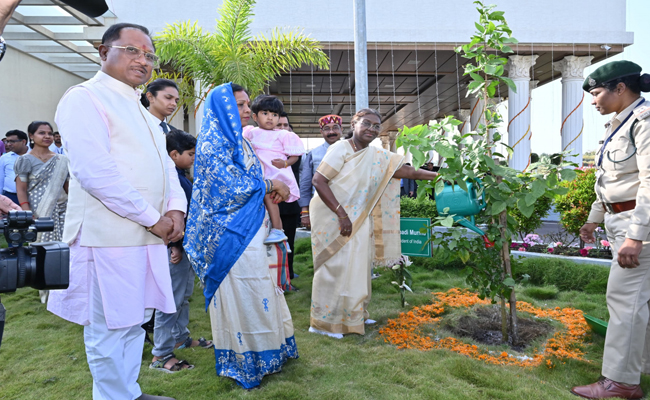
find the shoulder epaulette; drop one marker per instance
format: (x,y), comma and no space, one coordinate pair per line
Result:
(642,112)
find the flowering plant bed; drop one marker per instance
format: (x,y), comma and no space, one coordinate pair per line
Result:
(533,243)
(409,331)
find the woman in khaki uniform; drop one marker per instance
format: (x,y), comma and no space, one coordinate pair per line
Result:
(623,203)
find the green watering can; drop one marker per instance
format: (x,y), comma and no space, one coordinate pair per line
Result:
(463,204)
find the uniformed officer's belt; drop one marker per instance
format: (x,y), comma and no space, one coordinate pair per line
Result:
(615,208)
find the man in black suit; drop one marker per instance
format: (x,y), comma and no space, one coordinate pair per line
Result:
(290,212)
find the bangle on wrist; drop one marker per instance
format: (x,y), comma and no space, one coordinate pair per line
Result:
(346,216)
(269,185)
(337,208)
(24,202)
(286,164)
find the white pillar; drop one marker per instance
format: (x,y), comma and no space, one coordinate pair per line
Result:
(360,55)
(533,85)
(196,114)
(573,96)
(519,110)
(463,116)
(477,113)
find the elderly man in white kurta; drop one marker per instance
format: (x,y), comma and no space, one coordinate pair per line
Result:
(125,203)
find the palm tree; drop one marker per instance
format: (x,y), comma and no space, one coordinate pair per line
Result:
(231,54)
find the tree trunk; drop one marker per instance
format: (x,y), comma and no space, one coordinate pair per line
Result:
(507,269)
(504,321)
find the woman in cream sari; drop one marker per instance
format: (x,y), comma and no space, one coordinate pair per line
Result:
(42,183)
(355,225)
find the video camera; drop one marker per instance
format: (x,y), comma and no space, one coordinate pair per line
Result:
(38,265)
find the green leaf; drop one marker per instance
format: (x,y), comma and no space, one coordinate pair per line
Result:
(440,185)
(530,199)
(509,282)
(561,191)
(447,222)
(504,187)
(509,40)
(525,209)
(418,156)
(479,27)
(490,69)
(497,207)
(444,149)
(464,255)
(497,15)
(538,188)
(510,83)
(474,85)
(476,77)
(568,174)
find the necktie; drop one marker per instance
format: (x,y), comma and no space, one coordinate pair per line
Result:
(164,126)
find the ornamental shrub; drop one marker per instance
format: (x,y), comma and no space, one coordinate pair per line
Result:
(574,206)
(527,225)
(417,208)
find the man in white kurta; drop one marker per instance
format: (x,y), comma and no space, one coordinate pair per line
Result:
(125,203)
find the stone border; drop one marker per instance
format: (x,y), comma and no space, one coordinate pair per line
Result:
(580,260)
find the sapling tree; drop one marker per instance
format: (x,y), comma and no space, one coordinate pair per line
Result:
(473,156)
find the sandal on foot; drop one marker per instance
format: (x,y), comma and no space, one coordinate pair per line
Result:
(160,363)
(206,344)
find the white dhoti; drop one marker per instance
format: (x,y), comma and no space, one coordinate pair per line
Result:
(114,355)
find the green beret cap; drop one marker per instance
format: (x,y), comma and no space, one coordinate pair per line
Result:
(609,72)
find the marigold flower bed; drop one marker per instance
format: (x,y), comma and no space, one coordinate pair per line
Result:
(405,331)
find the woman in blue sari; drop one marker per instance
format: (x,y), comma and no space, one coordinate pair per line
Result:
(252,329)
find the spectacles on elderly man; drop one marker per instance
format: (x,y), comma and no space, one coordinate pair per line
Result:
(367,124)
(3,48)
(134,53)
(330,129)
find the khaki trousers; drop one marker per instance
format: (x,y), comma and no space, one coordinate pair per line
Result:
(627,345)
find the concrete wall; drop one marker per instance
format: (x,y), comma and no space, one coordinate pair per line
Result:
(441,21)
(30,90)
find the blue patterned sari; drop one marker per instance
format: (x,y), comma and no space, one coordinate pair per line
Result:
(252,328)
(227,207)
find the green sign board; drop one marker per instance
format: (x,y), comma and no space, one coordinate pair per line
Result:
(413,241)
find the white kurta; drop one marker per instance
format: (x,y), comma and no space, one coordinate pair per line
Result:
(131,279)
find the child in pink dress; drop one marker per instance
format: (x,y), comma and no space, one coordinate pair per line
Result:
(277,150)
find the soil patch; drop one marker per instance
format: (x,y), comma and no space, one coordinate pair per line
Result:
(484,326)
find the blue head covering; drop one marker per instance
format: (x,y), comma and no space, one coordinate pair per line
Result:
(227,206)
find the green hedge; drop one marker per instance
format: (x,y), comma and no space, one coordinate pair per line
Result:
(565,275)
(417,208)
(438,261)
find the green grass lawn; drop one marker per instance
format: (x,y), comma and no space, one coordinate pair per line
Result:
(42,356)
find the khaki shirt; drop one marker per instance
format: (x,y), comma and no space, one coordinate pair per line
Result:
(630,179)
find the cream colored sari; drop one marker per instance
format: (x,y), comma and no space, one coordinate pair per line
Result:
(362,183)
